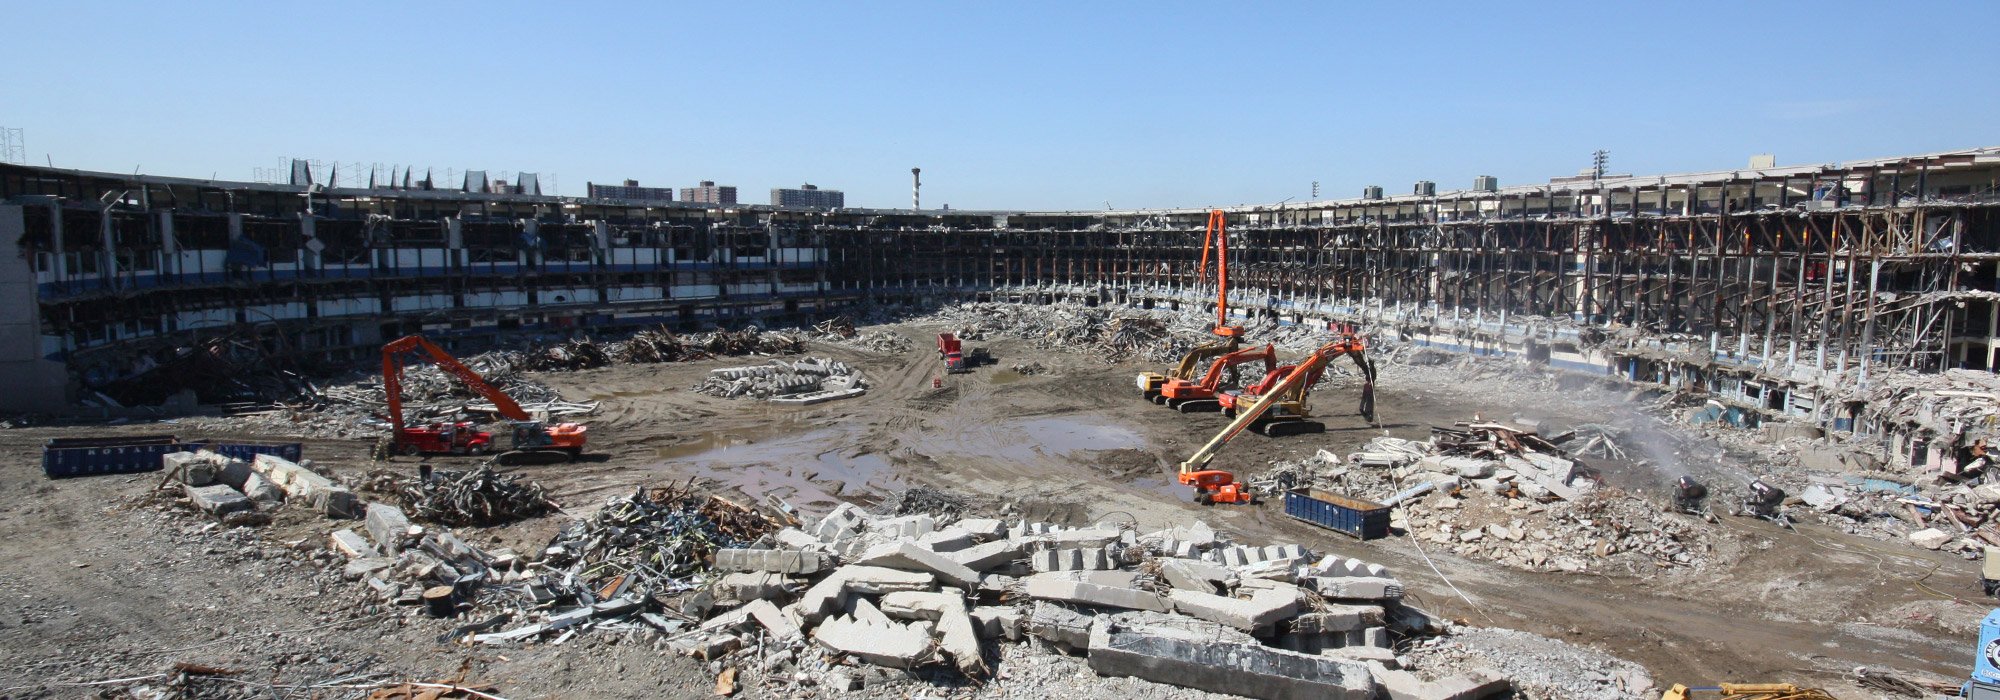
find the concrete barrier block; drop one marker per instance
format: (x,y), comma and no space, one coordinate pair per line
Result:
(387,525)
(217,499)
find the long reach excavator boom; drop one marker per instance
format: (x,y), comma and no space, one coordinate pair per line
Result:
(1214,246)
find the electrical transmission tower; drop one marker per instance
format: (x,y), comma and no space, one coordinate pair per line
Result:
(13,146)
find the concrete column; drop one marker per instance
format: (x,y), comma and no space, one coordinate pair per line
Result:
(454,242)
(33,383)
(170,247)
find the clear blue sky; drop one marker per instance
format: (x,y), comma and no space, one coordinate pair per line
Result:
(1004,105)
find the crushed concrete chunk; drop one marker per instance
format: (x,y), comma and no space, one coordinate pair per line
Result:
(956,634)
(388,526)
(895,646)
(303,485)
(352,545)
(998,621)
(1930,538)
(262,491)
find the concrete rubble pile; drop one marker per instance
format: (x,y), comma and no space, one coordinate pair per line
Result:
(479,497)
(793,608)
(1461,490)
(804,379)
(804,605)
(567,356)
(246,492)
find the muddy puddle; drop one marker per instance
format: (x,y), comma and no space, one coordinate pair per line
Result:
(818,468)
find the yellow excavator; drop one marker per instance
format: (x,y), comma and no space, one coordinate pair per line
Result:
(1231,337)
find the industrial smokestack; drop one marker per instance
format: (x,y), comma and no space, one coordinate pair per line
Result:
(916,188)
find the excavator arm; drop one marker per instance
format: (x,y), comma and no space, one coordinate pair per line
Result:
(1217,240)
(1213,379)
(392,376)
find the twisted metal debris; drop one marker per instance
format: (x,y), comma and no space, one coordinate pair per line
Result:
(477,498)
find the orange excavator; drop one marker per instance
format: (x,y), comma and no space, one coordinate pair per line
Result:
(1190,396)
(1230,337)
(1291,414)
(533,441)
(1213,486)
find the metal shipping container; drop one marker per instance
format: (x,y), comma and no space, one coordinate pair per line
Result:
(1367,520)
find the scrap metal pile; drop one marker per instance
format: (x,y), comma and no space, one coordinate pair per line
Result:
(662,345)
(813,378)
(840,331)
(1113,335)
(797,608)
(480,497)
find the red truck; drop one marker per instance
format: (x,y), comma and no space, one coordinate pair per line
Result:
(949,349)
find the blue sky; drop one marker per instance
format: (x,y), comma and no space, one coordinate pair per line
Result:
(1004,105)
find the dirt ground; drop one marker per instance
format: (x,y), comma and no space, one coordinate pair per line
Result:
(96,583)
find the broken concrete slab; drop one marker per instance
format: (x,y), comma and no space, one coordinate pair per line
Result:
(351,544)
(218,499)
(1930,538)
(830,593)
(906,527)
(947,540)
(1194,575)
(1248,670)
(1334,617)
(1061,625)
(988,556)
(261,491)
(956,635)
(745,586)
(1070,560)
(908,556)
(794,538)
(772,620)
(998,621)
(365,566)
(860,609)
(1257,615)
(782,561)
(895,646)
(303,485)
(1064,587)
(1403,685)
(192,468)
(984,528)
(846,521)
(1367,654)
(1356,587)
(388,526)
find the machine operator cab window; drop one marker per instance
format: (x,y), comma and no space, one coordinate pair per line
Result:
(529,434)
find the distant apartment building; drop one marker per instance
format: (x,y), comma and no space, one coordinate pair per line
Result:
(708,193)
(808,195)
(632,191)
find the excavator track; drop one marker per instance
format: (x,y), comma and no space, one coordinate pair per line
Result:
(1282,428)
(523,458)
